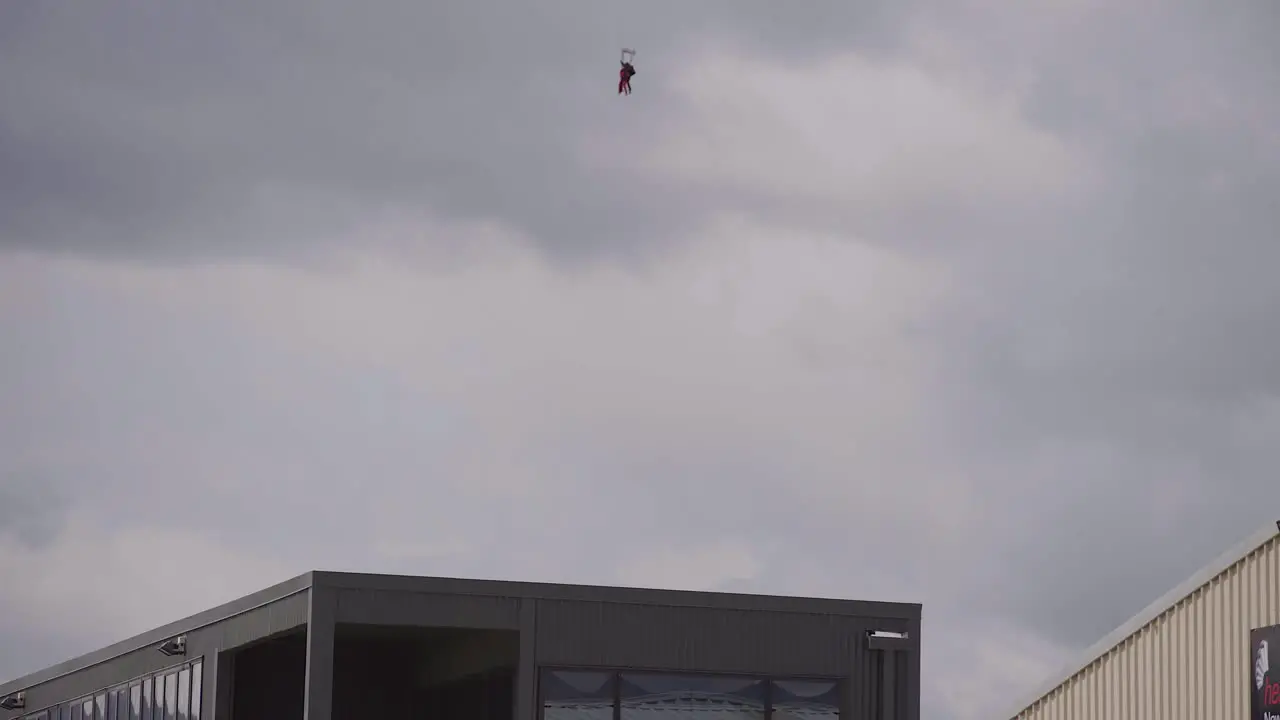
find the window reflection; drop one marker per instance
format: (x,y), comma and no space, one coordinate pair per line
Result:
(171,696)
(174,695)
(805,700)
(148,698)
(685,697)
(135,701)
(184,692)
(572,695)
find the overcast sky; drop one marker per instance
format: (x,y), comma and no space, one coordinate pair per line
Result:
(405,286)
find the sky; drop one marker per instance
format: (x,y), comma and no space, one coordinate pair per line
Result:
(404,286)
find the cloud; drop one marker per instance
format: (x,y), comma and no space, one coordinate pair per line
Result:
(103,580)
(881,138)
(992,283)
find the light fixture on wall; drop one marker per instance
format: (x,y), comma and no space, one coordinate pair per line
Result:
(174,646)
(888,640)
(16,701)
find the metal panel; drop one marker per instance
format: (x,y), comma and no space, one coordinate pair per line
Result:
(1191,662)
(251,626)
(682,638)
(389,607)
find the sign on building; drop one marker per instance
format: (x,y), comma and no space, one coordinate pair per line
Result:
(1265,678)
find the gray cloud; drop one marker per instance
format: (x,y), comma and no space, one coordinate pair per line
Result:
(1085,415)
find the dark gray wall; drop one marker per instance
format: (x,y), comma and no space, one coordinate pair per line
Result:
(392,607)
(261,615)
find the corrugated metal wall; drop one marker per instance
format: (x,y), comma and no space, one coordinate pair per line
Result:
(1190,663)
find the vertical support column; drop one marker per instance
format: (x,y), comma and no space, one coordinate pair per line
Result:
(526,704)
(322,607)
(889,684)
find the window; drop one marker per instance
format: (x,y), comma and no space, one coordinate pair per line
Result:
(171,696)
(135,701)
(197,684)
(184,692)
(805,700)
(654,696)
(175,695)
(573,695)
(148,698)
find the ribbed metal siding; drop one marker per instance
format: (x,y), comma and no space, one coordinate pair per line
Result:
(690,638)
(1190,663)
(391,607)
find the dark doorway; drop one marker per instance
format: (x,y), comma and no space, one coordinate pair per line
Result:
(269,679)
(424,673)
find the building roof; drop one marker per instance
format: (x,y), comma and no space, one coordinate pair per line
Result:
(1148,614)
(462,586)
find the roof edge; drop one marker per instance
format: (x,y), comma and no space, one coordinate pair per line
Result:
(1201,577)
(618,593)
(191,623)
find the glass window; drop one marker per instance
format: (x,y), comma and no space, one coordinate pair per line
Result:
(87,706)
(77,711)
(135,701)
(573,695)
(805,700)
(184,692)
(664,696)
(197,687)
(171,696)
(111,707)
(42,715)
(148,698)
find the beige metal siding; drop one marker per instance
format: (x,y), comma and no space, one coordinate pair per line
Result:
(1189,663)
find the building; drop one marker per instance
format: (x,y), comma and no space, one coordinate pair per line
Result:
(333,646)
(1191,655)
